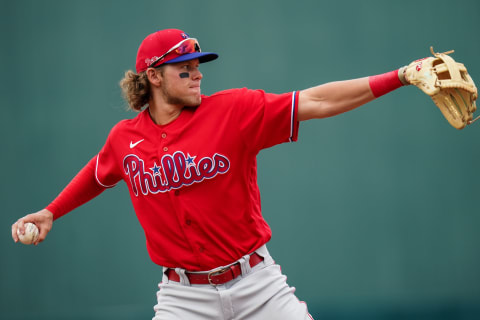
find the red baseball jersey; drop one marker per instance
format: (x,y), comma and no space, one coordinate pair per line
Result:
(193,182)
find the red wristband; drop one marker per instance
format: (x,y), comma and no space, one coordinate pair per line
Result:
(384,83)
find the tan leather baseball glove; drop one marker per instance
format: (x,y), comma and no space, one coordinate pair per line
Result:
(449,85)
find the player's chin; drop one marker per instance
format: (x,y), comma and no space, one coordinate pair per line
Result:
(197,97)
(194,102)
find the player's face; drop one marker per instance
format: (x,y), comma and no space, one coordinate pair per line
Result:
(181,83)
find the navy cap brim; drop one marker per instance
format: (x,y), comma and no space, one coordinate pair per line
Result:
(201,56)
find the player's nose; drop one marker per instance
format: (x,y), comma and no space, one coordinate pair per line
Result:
(197,75)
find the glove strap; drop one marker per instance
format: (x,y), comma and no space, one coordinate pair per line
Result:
(472,121)
(401,75)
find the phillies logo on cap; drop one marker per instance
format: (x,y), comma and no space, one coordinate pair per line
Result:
(184,35)
(151,60)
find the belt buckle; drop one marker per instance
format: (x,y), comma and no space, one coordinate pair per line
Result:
(214,273)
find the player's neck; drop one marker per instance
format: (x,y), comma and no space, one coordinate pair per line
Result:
(163,113)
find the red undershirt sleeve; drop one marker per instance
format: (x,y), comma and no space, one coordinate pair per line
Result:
(83,188)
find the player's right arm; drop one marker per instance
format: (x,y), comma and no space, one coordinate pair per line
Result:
(80,190)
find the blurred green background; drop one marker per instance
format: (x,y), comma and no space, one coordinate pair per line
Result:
(375,213)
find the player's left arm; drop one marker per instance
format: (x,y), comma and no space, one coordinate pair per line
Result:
(337,97)
(333,98)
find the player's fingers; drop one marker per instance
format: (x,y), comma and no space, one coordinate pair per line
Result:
(14,232)
(43,231)
(21,226)
(44,223)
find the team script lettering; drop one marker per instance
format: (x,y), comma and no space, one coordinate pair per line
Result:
(174,172)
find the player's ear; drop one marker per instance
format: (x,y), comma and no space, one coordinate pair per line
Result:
(154,76)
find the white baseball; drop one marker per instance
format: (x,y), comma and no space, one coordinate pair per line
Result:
(31,234)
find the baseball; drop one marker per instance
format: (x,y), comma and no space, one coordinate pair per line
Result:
(31,234)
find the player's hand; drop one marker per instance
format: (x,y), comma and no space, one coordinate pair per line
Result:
(43,219)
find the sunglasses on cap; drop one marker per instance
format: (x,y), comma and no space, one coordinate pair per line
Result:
(189,45)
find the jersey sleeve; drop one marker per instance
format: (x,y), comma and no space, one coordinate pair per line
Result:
(107,172)
(267,119)
(80,190)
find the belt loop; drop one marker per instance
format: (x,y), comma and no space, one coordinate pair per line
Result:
(263,252)
(245,265)
(183,277)
(164,275)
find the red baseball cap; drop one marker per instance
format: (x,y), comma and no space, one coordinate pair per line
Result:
(165,46)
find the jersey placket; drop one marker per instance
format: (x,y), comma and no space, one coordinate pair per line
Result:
(185,221)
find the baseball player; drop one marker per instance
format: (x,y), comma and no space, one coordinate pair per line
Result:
(189,162)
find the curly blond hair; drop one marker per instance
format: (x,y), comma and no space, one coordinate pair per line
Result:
(135,90)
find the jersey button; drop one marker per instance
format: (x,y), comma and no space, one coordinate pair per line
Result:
(164,135)
(165,149)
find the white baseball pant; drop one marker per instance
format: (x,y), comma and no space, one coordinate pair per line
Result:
(260,293)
